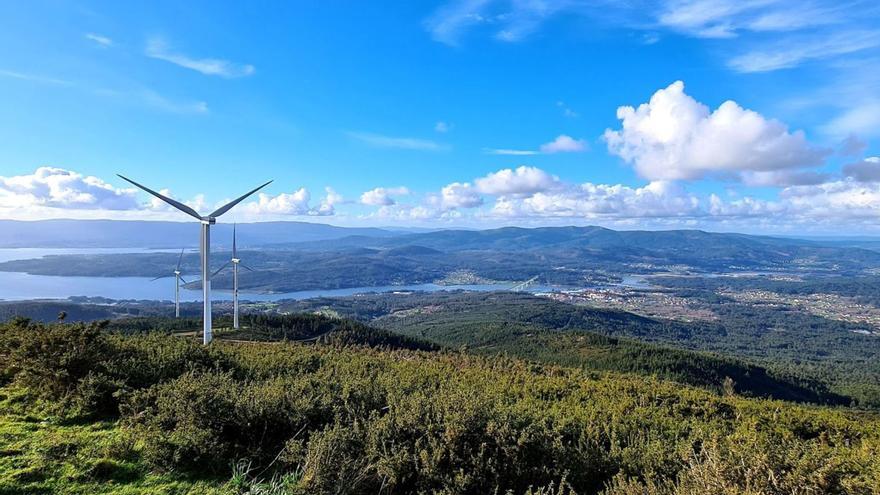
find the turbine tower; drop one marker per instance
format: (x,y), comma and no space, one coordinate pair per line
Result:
(204,245)
(177,280)
(235,261)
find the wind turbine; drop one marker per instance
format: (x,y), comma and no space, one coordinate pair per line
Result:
(177,280)
(235,261)
(204,245)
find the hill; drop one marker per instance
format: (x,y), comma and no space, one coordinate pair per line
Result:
(569,257)
(122,414)
(148,234)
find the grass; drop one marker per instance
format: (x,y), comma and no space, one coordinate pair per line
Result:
(42,453)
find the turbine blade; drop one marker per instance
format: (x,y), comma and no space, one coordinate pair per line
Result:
(177,204)
(220,269)
(245,266)
(161,276)
(179,259)
(228,206)
(182,280)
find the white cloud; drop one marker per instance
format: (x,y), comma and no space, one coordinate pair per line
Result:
(34,78)
(803,30)
(674,137)
(380,141)
(657,199)
(328,203)
(442,127)
(295,203)
(159,49)
(843,200)
(564,144)
(509,152)
(510,21)
(382,196)
(521,181)
(102,41)
(59,188)
(459,195)
(793,51)
(729,18)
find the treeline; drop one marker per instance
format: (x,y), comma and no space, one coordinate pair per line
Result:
(356,420)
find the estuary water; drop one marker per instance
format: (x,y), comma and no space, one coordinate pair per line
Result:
(20,286)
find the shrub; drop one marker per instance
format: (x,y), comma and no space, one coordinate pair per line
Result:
(51,359)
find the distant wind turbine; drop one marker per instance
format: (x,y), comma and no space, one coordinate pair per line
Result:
(204,246)
(177,280)
(235,261)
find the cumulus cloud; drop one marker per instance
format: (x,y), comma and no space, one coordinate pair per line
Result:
(588,200)
(459,195)
(290,204)
(328,203)
(867,170)
(675,137)
(382,196)
(159,49)
(59,188)
(520,181)
(296,203)
(442,127)
(840,200)
(564,144)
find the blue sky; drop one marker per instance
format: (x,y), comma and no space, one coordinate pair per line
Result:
(462,113)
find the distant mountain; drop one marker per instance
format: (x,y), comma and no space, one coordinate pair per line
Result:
(518,239)
(144,234)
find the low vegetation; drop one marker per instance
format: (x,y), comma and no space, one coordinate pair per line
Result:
(87,410)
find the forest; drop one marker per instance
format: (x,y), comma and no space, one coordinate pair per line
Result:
(95,408)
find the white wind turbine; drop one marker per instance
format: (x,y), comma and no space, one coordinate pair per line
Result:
(204,245)
(177,280)
(235,261)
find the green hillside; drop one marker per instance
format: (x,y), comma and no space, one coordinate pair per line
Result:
(87,411)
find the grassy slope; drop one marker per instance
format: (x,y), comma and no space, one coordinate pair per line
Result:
(633,426)
(44,453)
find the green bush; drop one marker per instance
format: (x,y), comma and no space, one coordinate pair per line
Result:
(358,420)
(51,360)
